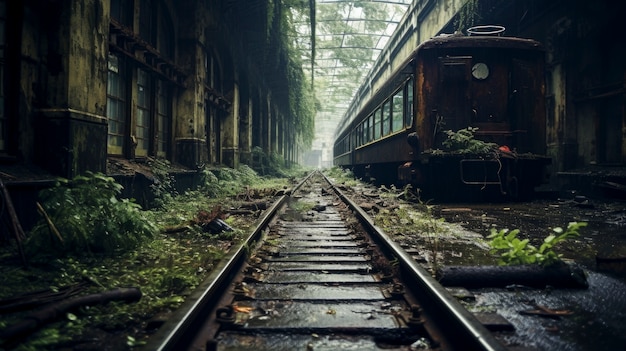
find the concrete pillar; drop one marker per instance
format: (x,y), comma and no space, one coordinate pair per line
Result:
(281,138)
(189,125)
(245,131)
(71,131)
(274,131)
(267,122)
(191,110)
(230,132)
(257,118)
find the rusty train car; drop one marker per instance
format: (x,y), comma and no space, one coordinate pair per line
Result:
(491,84)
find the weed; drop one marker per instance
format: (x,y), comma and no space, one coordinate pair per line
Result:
(166,266)
(432,228)
(513,251)
(341,175)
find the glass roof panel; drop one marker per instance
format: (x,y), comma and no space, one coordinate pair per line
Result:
(349,37)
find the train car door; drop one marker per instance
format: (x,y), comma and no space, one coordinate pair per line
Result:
(489,90)
(453,110)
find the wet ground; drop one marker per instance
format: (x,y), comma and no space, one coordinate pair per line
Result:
(600,247)
(593,318)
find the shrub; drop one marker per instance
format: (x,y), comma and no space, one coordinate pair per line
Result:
(89,218)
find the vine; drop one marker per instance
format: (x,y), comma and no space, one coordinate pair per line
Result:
(469,15)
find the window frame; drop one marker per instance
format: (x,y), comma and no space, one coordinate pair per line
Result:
(397,110)
(121,97)
(386,123)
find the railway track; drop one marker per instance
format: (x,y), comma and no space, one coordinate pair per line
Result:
(326,279)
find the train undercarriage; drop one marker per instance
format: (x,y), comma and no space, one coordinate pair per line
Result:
(444,177)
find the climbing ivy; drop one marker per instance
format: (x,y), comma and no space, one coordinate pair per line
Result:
(291,83)
(469,16)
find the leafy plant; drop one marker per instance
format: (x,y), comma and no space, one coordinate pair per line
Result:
(515,251)
(85,216)
(463,141)
(468,16)
(163,188)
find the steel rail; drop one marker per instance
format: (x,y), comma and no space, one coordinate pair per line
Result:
(445,312)
(181,326)
(434,299)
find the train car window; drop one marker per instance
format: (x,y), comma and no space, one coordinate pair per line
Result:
(408,116)
(480,71)
(349,143)
(378,120)
(361,135)
(386,117)
(370,131)
(365,130)
(397,113)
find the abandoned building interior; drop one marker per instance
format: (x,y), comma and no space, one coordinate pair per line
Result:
(104,85)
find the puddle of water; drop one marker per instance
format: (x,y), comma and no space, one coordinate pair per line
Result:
(597,321)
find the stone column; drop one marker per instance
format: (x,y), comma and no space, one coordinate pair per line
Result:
(71,131)
(245,131)
(190,139)
(230,132)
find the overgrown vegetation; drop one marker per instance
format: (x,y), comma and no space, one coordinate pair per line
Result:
(414,222)
(110,242)
(341,175)
(468,16)
(514,251)
(463,141)
(286,63)
(85,216)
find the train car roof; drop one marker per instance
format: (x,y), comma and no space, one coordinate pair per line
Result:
(452,41)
